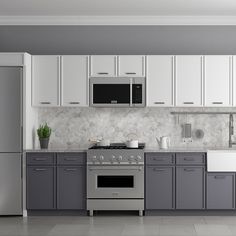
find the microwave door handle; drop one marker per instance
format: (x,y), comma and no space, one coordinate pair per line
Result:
(131,91)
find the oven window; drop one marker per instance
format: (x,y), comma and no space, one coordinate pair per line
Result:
(111,93)
(115,181)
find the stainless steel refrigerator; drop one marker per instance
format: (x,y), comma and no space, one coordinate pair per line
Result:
(11,133)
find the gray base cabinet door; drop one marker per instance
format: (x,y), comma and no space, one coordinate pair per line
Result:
(159,187)
(41,188)
(220,191)
(190,187)
(71,187)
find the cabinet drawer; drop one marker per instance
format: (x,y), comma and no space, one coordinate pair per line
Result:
(190,158)
(40,158)
(71,158)
(160,158)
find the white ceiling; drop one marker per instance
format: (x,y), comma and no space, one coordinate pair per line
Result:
(118,11)
(116,7)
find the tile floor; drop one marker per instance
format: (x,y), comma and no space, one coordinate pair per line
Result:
(105,225)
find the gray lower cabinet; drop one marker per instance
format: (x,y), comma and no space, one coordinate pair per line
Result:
(41,188)
(220,191)
(59,183)
(71,187)
(159,187)
(190,185)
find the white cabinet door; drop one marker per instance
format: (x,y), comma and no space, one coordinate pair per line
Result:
(74,80)
(102,66)
(218,80)
(131,65)
(160,81)
(234,81)
(188,75)
(45,80)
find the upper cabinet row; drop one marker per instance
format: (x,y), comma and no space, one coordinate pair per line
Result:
(63,80)
(192,80)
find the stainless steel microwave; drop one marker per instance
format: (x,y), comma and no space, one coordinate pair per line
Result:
(117,92)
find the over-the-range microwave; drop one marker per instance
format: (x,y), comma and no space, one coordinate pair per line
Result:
(117,92)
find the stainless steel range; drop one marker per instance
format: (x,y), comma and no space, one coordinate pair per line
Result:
(115,178)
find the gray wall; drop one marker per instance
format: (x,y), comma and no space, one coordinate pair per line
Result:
(119,39)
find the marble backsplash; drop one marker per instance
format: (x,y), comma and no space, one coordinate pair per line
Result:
(73,127)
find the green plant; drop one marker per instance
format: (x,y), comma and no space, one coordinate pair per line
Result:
(44,131)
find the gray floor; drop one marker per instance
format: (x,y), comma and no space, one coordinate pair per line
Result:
(118,225)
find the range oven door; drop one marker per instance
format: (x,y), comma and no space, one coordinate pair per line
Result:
(115,182)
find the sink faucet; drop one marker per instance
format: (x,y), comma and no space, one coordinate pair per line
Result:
(231,130)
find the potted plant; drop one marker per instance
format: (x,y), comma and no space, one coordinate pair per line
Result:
(44,132)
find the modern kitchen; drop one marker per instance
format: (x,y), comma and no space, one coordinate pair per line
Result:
(117,119)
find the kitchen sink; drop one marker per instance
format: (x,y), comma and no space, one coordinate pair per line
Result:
(221,160)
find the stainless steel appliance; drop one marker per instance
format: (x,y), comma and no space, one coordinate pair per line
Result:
(115,178)
(117,92)
(10,140)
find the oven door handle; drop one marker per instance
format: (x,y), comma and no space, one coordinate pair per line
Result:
(139,168)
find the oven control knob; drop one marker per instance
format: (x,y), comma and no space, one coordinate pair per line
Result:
(101,158)
(113,158)
(131,158)
(138,158)
(119,158)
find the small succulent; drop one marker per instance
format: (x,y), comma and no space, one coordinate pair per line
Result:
(44,131)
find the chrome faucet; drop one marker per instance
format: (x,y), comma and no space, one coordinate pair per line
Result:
(231,130)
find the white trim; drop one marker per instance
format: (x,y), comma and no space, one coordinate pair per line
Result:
(117,20)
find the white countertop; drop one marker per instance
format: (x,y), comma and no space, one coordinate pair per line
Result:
(147,149)
(82,149)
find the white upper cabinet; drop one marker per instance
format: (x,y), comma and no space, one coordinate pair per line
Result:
(103,66)
(131,65)
(218,80)
(234,81)
(188,80)
(74,81)
(45,80)
(160,81)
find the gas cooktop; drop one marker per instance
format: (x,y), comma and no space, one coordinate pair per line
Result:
(117,146)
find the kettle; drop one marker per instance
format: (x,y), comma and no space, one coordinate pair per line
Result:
(164,142)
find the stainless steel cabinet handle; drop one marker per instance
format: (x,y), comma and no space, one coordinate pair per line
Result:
(159,102)
(158,159)
(130,73)
(188,159)
(217,102)
(74,102)
(70,159)
(40,169)
(158,170)
(40,159)
(102,73)
(219,177)
(70,169)
(188,102)
(189,170)
(45,103)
